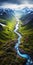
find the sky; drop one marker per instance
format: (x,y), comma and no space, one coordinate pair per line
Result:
(15,3)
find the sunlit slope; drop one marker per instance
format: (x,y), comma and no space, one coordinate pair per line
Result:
(6,32)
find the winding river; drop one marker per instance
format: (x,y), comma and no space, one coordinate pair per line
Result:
(26,56)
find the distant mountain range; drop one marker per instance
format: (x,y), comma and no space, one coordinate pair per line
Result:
(27,18)
(22,12)
(25,14)
(6,13)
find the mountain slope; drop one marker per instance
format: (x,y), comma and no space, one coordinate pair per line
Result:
(26,31)
(6,13)
(27,18)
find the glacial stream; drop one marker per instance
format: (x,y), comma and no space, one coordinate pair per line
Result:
(26,56)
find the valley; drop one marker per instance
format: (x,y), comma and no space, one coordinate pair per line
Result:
(8,38)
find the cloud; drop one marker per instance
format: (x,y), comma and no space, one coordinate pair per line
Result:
(15,6)
(16,1)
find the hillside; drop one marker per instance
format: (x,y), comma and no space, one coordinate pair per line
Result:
(27,39)
(6,13)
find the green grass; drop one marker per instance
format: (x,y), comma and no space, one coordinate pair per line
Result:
(8,31)
(27,37)
(8,40)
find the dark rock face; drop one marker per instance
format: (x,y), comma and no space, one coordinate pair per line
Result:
(1,28)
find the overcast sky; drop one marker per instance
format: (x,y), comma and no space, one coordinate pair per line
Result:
(16,1)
